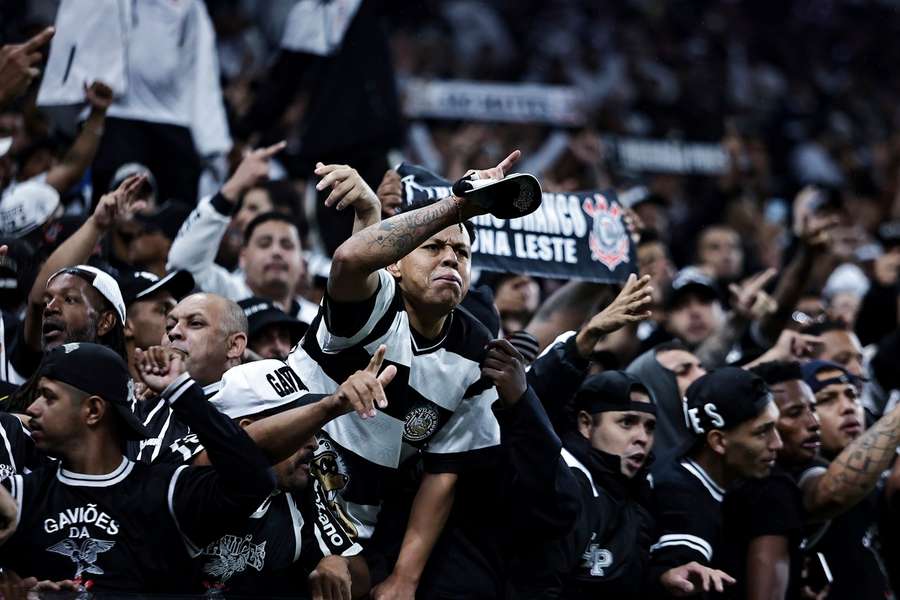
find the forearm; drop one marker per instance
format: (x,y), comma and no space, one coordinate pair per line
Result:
(768,568)
(363,219)
(361,583)
(281,435)
(430,510)
(854,473)
(787,293)
(80,156)
(76,250)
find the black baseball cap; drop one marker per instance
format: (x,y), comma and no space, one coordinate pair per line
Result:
(262,313)
(692,280)
(725,398)
(98,371)
(138,285)
(611,391)
(812,369)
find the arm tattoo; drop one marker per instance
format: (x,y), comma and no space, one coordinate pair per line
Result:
(856,470)
(402,233)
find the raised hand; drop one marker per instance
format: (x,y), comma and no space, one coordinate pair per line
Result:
(630,306)
(253,169)
(158,366)
(364,390)
(18,65)
(98,95)
(505,366)
(121,203)
(347,189)
(500,171)
(694,578)
(749,300)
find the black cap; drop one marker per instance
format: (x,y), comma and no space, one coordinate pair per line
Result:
(98,371)
(692,280)
(141,284)
(812,369)
(166,219)
(611,391)
(261,313)
(725,398)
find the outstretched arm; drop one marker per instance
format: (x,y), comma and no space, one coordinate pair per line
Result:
(80,156)
(355,263)
(125,200)
(854,473)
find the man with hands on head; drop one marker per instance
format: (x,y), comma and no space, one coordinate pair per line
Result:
(399,282)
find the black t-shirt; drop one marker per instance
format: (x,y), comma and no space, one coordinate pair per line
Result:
(129,530)
(772,506)
(18,453)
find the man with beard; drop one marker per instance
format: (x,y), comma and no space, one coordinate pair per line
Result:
(72,302)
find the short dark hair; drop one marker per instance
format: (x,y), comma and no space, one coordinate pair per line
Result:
(778,371)
(265,218)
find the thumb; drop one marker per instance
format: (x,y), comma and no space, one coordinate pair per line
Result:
(387,375)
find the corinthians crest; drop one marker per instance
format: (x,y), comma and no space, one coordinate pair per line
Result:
(421,422)
(608,239)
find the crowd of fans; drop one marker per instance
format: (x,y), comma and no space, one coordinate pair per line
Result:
(236,364)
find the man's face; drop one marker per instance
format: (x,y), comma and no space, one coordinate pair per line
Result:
(626,434)
(684,365)
(272,342)
(720,251)
(55,416)
(843,347)
(147,319)
(752,447)
(292,474)
(797,424)
(272,260)
(840,414)
(147,248)
(72,312)
(653,260)
(194,327)
(695,318)
(437,273)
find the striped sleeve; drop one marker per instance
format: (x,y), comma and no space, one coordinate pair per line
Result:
(687,525)
(343,325)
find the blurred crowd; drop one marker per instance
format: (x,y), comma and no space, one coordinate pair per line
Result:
(207,259)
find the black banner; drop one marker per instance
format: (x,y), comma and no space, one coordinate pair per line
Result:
(578,235)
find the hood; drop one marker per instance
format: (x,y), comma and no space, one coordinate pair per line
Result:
(672,434)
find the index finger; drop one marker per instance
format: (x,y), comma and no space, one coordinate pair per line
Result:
(377,358)
(274,149)
(509,161)
(39,40)
(506,347)
(762,279)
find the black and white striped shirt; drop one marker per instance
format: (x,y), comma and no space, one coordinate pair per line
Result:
(438,403)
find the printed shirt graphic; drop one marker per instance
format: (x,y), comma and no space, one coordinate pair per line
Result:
(438,403)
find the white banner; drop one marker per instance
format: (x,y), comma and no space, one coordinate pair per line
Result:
(501,102)
(665,156)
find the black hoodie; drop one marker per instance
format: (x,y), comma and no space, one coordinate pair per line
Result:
(672,436)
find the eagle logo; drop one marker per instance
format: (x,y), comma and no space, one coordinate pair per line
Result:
(233,554)
(84,556)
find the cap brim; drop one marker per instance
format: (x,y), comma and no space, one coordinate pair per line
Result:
(133,429)
(276,317)
(701,289)
(177,283)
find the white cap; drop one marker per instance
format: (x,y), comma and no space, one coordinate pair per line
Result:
(261,388)
(102,282)
(27,207)
(847,278)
